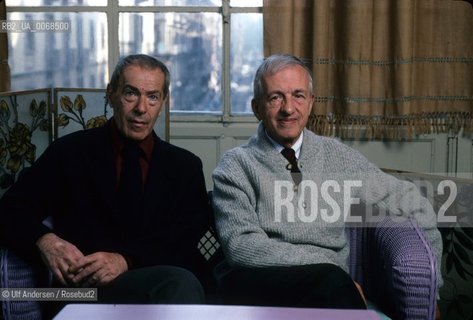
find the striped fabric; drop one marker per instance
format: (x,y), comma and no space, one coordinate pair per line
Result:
(16,273)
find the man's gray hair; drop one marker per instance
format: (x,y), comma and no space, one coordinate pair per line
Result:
(273,64)
(144,61)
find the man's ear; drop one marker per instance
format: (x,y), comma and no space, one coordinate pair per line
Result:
(108,95)
(255,108)
(164,105)
(311,103)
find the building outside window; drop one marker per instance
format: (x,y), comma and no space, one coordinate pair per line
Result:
(212,48)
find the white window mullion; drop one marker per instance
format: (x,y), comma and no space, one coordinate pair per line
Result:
(113,20)
(226,62)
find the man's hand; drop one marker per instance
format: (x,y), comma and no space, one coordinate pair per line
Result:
(59,255)
(98,269)
(360,290)
(437,312)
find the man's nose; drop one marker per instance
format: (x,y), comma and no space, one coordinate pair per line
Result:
(287,105)
(141,105)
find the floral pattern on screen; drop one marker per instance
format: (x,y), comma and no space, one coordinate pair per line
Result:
(74,111)
(19,122)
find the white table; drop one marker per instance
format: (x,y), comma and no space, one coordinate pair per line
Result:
(205,312)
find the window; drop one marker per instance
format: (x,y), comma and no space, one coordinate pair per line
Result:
(212,48)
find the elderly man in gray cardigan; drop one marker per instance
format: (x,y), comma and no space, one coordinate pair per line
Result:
(282,201)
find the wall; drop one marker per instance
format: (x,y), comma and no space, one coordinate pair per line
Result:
(440,154)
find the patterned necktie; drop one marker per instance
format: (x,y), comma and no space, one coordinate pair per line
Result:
(290,155)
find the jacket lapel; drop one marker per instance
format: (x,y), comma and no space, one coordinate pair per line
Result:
(103,169)
(159,183)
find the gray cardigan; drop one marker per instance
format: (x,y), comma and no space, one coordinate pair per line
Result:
(262,220)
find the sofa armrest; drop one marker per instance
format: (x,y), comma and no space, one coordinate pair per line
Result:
(402,265)
(17,273)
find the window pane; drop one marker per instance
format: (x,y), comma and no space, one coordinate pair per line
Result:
(193,3)
(77,58)
(33,3)
(191,46)
(246,55)
(246,3)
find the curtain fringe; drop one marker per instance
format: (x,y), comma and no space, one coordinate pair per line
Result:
(390,127)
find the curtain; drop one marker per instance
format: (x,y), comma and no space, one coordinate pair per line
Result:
(4,68)
(381,68)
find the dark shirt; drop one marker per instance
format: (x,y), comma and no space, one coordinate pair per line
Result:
(118,143)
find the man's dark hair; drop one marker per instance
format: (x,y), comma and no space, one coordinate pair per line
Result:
(144,61)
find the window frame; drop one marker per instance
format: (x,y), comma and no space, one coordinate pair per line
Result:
(112,12)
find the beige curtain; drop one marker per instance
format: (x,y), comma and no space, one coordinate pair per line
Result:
(4,68)
(382,68)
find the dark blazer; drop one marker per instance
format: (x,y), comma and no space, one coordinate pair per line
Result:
(74,182)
